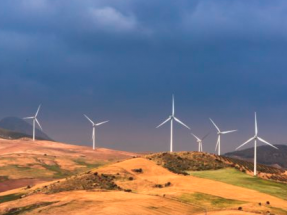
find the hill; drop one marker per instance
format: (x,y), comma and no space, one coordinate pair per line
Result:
(183,162)
(25,162)
(19,128)
(7,134)
(141,186)
(265,155)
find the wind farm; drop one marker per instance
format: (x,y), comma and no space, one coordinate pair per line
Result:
(143,107)
(147,179)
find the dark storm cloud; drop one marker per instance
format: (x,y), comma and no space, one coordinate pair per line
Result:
(123,59)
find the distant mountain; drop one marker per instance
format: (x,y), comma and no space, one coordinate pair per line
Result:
(15,128)
(265,155)
(7,134)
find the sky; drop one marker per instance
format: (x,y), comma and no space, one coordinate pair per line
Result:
(121,60)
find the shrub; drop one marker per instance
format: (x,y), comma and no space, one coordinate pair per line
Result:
(168,184)
(158,186)
(137,170)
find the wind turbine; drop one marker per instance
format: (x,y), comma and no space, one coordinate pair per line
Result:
(35,120)
(219,133)
(255,138)
(94,130)
(171,118)
(199,141)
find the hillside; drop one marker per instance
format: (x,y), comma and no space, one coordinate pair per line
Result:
(141,186)
(183,162)
(24,162)
(19,128)
(265,155)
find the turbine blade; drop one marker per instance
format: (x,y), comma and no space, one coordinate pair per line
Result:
(38,123)
(173,105)
(101,123)
(245,143)
(195,136)
(226,132)
(256,127)
(176,119)
(215,125)
(89,119)
(31,117)
(164,122)
(38,111)
(205,136)
(264,141)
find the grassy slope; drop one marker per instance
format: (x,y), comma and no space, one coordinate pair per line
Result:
(48,171)
(237,178)
(209,201)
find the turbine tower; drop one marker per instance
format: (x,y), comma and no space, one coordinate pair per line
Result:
(35,120)
(219,133)
(171,118)
(94,130)
(255,138)
(199,141)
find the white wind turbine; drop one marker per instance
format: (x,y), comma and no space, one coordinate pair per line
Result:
(255,138)
(171,118)
(35,120)
(94,130)
(219,133)
(199,141)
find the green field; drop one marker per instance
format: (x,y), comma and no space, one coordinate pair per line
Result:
(237,178)
(209,201)
(46,172)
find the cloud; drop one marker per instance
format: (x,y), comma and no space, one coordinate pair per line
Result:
(110,19)
(98,55)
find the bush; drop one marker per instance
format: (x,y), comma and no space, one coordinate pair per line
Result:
(137,170)
(168,184)
(131,178)
(158,186)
